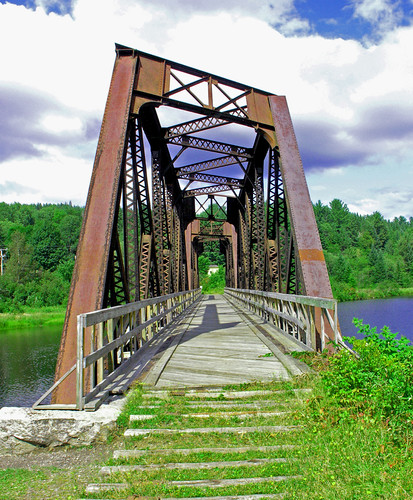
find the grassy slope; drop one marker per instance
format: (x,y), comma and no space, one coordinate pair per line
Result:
(338,457)
(46,316)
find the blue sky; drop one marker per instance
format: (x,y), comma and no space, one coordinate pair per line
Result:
(345,67)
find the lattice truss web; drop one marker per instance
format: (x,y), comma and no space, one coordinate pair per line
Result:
(184,157)
(208,148)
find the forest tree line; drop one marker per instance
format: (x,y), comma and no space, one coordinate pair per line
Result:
(367,256)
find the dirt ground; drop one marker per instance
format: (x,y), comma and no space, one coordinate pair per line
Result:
(63,457)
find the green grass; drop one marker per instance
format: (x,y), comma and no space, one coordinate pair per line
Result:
(339,452)
(344,446)
(348,294)
(44,483)
(31,317)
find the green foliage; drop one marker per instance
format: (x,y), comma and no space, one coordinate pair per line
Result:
(203,266)
(41,242)
(367,256)
(215,283)
(378,381)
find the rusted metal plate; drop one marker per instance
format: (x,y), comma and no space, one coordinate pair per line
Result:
(259,111)
(153,76)
(89,275)
(306,236)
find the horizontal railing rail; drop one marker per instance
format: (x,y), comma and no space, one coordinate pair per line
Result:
(295,315)
(116,337)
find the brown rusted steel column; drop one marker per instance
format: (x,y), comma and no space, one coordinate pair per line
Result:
(309,252)
(307,239)
(88,283)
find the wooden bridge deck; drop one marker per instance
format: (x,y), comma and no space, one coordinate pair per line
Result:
(217,344)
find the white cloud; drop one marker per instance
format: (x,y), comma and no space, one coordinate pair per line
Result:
(59,124)
(382,12)
(333,86)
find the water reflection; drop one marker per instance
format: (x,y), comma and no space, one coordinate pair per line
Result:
(27,364)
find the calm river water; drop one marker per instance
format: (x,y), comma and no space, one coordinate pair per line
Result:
(396,313)
(27,364)
(28,357)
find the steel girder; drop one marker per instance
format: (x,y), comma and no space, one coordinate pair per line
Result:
(135,243)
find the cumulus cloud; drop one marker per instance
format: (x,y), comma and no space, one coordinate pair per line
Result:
(382,15)
(324,144)
(265,9)
(14,188)
(60,7)
(351,104)
(31,121)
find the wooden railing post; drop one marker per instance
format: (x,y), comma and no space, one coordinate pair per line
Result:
(79,362)
(111,331)
(295,315)
(323,342)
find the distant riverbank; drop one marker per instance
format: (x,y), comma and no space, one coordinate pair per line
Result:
(55,315)
(31,318)
(347,293)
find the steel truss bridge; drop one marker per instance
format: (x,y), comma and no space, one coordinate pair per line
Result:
(185,157)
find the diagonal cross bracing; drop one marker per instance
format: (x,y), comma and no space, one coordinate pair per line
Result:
(223,161)
(206,190)
(193,126)
(212,179)
(208,145)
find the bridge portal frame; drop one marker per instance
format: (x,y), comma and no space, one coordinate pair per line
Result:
(135,244)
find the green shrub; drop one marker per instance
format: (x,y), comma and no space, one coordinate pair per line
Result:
(378,381)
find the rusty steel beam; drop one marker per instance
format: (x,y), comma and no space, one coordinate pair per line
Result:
(304,227)
(193,126)
(202,166)
(212,179)
(88,283)
(205,190)
(208,145)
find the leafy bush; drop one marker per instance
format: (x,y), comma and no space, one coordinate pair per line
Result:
(215,283)
(378,381)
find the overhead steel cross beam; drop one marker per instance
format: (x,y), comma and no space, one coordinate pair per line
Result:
(202,166)
(212,179)
(208,145)
(199,124)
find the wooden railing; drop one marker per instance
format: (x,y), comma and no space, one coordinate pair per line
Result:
(294,315)
(118,338)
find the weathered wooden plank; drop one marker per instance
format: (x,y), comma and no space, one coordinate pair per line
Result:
(98,487)
(232,404)
(189,451)
(209,430)
(257,496)
(113,469)
(213,393)
(217,483)
(207,366)
(239,414)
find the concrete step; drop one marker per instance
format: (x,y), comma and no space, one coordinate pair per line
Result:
(232,497)
(219,483)
(162,394)
(223,404)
